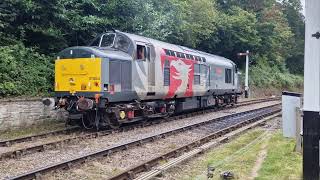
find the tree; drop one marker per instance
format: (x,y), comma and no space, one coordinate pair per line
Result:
(247,5)
(52,25)
(197,21)
(236,33)
(276,36)
(292,11)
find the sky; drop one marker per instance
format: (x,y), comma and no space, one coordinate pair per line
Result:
(303,5)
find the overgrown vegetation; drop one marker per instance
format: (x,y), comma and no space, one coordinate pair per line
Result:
(32,32)
(259,154)
(281,162)
(233,157)
(24,71)
(264,75)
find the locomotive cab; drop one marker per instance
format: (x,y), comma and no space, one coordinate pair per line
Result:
(86,75)
(83,69)
(98,79)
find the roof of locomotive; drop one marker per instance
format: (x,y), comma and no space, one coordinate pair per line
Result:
(210,58)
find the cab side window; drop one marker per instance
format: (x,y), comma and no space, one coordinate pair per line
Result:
(141,52)
(148,53)
(228,77)
(166,73)
(196,75)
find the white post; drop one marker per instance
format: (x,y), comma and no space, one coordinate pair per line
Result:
(312,57)
(246,85)
(311,107)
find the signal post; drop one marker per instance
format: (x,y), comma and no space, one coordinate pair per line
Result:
(311,108)
(246,83)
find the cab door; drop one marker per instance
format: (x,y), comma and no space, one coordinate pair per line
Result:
(151,69)
(144,70)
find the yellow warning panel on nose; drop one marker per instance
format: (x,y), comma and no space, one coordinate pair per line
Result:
(78,75)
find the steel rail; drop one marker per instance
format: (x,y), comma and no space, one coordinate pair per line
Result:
(42,147)
(193,148)
(110,150)
(191,151)
(9,142)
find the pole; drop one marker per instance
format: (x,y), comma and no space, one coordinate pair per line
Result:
(311,107)
(246,85)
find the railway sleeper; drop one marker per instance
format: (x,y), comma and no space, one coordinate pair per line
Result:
(199,142)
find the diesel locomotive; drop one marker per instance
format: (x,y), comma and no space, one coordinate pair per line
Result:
(121,78)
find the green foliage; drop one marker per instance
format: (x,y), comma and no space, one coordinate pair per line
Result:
(237,32)
(263,75)
(23,71)
(196,22)
(281,162)
(275,34)
(272,30)
(150,18)
(291,9)
(51,25)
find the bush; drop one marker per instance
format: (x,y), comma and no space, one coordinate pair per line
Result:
(263,75)
(23,71)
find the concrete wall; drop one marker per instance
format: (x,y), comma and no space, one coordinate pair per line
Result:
(17,113)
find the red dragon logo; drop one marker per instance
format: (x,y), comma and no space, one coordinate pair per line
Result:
(181,76)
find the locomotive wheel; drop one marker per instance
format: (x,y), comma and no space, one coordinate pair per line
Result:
(113,121)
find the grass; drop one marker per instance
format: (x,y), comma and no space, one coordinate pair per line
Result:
(281,161)
(240,155)
(46,126)
(241,164)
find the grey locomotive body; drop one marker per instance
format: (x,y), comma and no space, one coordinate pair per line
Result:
(123,77)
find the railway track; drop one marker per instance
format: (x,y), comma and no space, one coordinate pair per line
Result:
(9,142)
(156,166)
(237,120)
(16,153)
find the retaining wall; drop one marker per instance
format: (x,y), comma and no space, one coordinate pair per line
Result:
(18,113)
